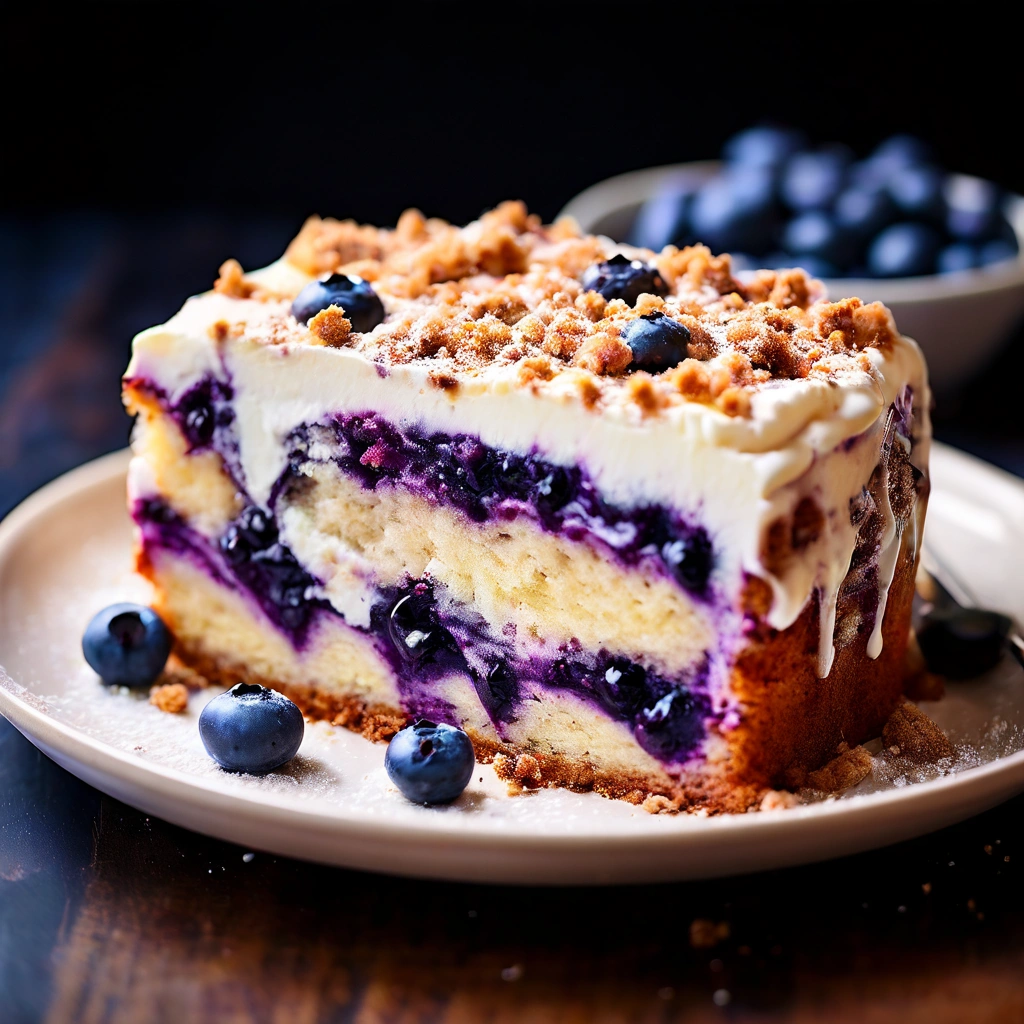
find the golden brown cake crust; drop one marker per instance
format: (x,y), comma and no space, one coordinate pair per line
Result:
(523,769)
(794,722)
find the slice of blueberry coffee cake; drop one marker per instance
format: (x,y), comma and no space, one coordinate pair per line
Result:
(636,525)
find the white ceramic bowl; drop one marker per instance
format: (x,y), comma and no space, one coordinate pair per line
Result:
(960,320)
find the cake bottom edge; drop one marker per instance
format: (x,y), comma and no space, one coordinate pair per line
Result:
(702,789)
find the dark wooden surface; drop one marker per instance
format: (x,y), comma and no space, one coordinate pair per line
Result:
(109,916)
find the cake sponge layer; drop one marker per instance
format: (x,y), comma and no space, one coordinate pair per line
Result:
(342,677)
(553,591)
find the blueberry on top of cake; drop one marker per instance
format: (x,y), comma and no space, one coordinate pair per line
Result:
(637,523)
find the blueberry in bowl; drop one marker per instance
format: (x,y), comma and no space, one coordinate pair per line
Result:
(942,250)
(430,763)
(812,180)
(735,211)
(904,250)
(764,146)
(251,728)
(127,645)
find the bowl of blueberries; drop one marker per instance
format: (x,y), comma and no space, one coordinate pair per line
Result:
(941,250)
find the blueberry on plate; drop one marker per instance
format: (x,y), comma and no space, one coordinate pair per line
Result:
(811,181)
(623,278)
(816,235)
(957,257)
(127,645)
(251,728)
(657,341)
(430,763)
(356,297)
(763,146)
(904,250)
(662,220)
(959,643)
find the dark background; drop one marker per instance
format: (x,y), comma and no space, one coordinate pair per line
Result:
(144,143)
(452,107)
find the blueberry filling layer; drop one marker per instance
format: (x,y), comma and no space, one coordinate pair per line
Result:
(426,639)
(489,484)
(205,414)
(459,471)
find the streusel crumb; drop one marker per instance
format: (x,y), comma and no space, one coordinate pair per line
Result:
(331,327)
(848,768)
(912,734)
(170,697)
(507,292)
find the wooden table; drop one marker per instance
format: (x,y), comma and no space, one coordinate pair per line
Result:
(109,916)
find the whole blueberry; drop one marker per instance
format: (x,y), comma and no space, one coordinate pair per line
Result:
(974,209)
(430,763)
(917,191)
(411,625)
(815,234)
(895,154)
(251,728)
(904,250)
(735,210)
(670,727)
(962,642)
(127,644)
(498,690)
(690,560)
(197,417)
(662,220)
(811,181)
(957,257)
(998,251)
(863,212)
(657,341)
(763,146)
(254,530)
(356,297)
(902,151)
(623,278)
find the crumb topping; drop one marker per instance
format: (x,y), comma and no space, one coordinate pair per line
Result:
(170,697)
(505,292)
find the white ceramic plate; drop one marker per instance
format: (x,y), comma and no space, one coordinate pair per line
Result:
(65,553)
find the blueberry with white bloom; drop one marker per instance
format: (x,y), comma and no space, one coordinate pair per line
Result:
(430,763)
(251,728)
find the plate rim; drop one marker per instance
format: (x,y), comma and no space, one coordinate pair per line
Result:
(153,778)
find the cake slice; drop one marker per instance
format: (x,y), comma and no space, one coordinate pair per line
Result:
(634,523)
